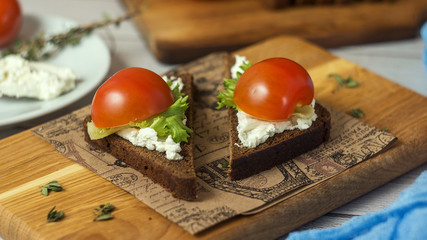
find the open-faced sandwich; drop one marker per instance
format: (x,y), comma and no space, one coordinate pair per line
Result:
(273,116)
(145,120)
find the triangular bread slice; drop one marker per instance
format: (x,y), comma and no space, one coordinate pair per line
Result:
(245,162)
(176,176)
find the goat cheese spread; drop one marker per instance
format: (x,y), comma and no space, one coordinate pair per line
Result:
(238,61)
(253,131)
(175,81)
(22,78)
(147,137)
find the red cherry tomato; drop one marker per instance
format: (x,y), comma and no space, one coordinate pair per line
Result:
(271,89)
(10,21)
(130,95)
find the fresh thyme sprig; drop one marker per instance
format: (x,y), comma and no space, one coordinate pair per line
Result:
(51,186)
(42,47)
(54,216)
(103,212)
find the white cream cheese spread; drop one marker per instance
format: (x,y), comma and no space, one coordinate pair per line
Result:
(238,61)
(175,81)
(253,131)
(147,137)
(22,78)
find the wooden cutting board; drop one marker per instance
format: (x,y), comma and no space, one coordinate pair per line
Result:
(27,162)
(180,30)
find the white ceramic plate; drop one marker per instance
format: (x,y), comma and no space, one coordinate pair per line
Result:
(90,60)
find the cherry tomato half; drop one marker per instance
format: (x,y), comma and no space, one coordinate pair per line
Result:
(271,89)
(10,21)
(130,95)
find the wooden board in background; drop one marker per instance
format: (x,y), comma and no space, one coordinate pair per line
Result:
(180,30)
(27,162)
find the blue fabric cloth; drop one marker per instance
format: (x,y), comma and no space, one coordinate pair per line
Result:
(423,33)
(405,219)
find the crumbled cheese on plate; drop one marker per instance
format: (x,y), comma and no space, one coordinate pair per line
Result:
(22,78)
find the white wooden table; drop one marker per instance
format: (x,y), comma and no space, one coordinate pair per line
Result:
(398,61)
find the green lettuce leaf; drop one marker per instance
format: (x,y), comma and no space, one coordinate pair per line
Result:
(225,98)
(175,91)
(169,122)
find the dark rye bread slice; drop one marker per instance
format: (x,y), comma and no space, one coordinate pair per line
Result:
(245,162)
(176,176)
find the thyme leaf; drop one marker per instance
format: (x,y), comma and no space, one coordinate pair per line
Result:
(51,186)
(344,82)
(103,217)
(54,216)
(357,113)
(103,212)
